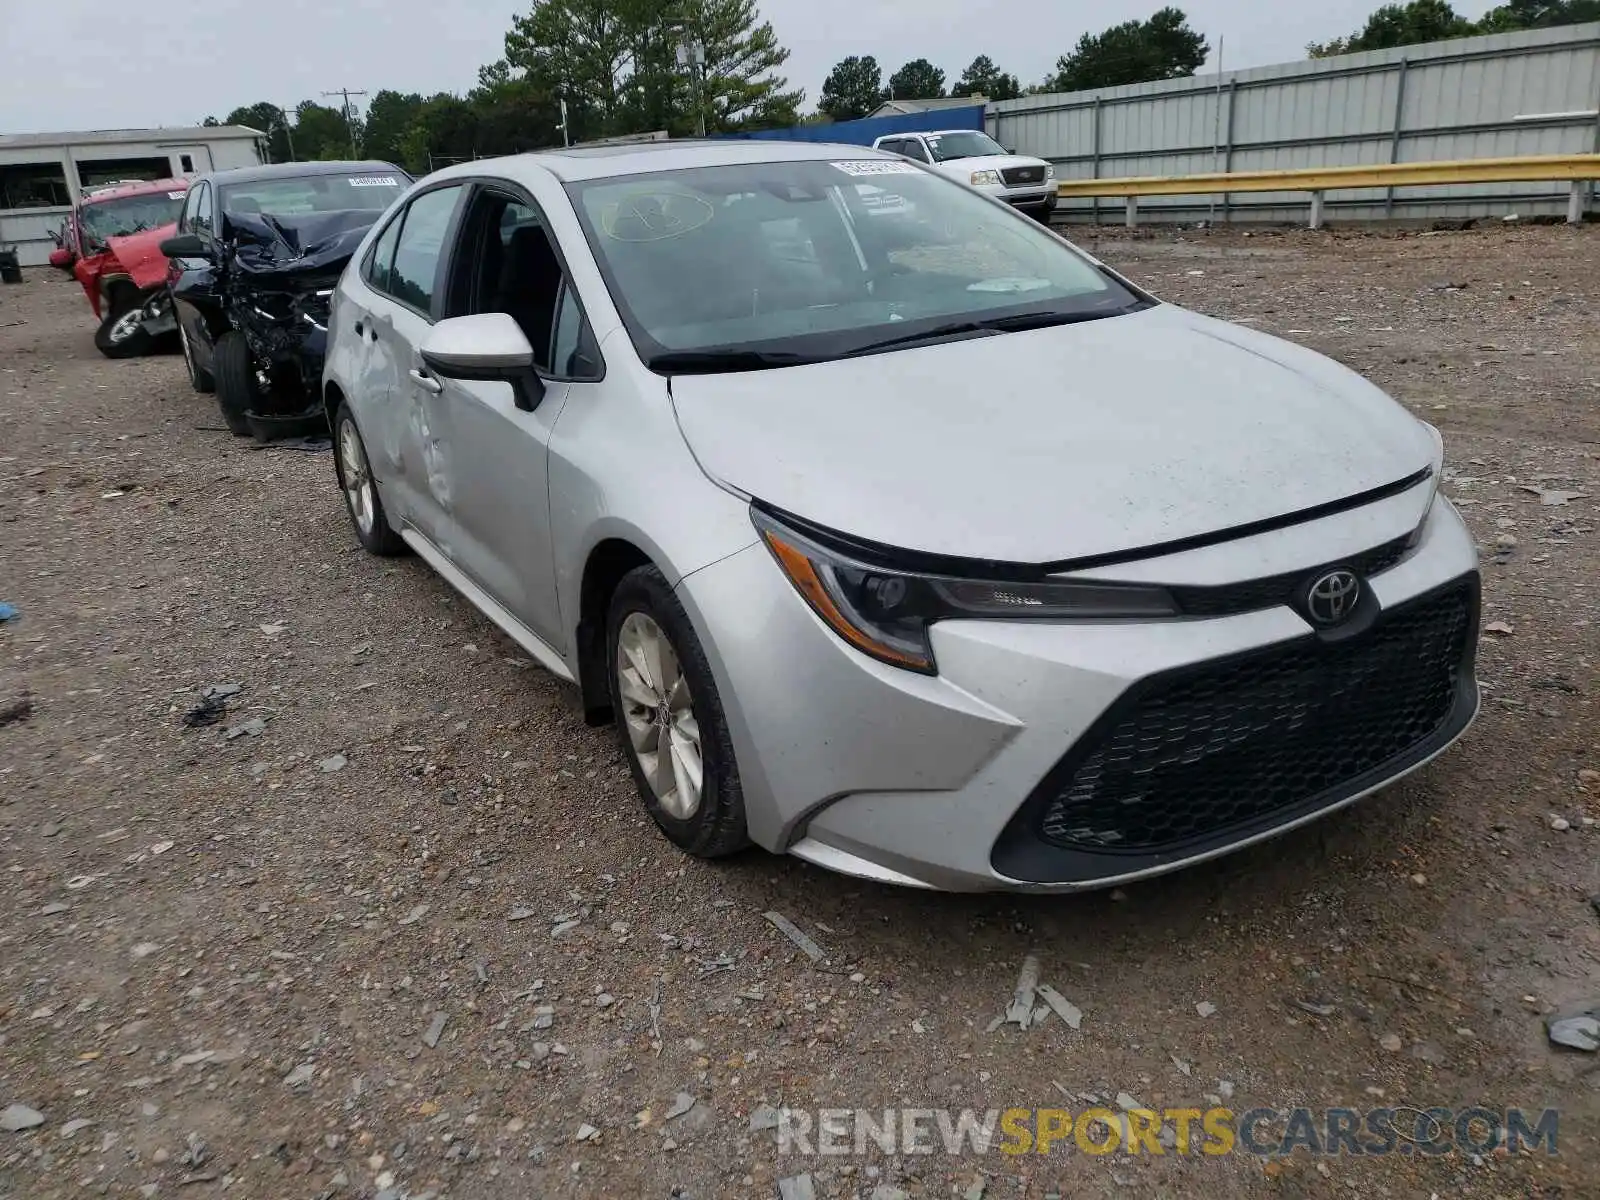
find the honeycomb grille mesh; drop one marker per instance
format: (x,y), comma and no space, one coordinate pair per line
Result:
(1253,736)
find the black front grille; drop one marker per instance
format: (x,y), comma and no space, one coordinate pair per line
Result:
(1280,589)
(1017,176)
(1256,738)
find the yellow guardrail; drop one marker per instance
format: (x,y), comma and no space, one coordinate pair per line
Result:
(1574,168)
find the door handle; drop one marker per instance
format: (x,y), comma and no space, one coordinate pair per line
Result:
(426,382)
(358,327)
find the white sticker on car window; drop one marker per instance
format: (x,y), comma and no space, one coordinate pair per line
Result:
(875,166)
(374,181)
(175,195)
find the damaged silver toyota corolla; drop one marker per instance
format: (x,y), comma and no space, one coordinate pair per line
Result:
(894,532)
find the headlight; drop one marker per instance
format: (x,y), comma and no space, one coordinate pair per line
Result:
(986,179)
(1049,171)
(887,613)
(1434,482)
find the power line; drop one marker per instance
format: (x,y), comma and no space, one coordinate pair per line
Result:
(349,119)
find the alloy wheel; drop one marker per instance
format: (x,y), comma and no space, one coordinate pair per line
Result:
(357,477)
(658,711)
(125,326)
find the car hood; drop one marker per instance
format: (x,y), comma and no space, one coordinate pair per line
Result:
(1054,444)
(990,162)
(140,254)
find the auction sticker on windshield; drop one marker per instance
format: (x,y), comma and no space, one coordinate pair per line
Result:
(175,195)
(374,181)
(875,166)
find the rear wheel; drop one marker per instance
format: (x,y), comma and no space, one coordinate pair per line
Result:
(670,717)
(360,490)
(122,333)
(199,378)
(235,382)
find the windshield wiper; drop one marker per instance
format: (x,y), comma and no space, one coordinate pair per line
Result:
(708,362)
(1011,324)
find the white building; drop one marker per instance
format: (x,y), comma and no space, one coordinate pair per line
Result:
(42,174)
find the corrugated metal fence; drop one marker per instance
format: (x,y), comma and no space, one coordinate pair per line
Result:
(1534,92)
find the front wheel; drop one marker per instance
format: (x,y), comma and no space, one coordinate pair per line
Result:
(236,382)
(670,718)
(122,334)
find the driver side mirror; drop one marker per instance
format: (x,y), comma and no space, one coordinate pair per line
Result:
(487,347)
(185,245)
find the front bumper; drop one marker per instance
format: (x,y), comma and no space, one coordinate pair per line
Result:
(949,781)
(1032,196)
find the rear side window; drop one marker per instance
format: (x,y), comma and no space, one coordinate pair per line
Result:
(420,245)
(382,257)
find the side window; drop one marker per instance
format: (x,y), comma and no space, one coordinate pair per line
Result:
(421,242)
(191,204)
(203,211)
(574,354)
(912,148)
(186,163)
(376,272)
(512,267)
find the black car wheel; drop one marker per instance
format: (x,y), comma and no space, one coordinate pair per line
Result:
(236,382)
(122,333)
(670,717)
(199,378)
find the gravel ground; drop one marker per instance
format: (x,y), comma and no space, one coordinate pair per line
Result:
(416,934)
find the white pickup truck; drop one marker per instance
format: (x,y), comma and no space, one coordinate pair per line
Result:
(979,161)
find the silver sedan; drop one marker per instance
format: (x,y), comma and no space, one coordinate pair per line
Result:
(891,530)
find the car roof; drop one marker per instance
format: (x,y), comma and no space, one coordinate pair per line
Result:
(141,187)
(578,163)
(297,170)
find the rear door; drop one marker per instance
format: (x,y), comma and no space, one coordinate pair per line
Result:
(419,463)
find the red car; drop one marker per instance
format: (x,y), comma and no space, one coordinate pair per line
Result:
(115,233)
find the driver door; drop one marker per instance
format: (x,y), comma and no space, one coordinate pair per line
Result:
(508,260)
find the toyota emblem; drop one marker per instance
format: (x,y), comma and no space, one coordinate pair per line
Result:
(1331,598)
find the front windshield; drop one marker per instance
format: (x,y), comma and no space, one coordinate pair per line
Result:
(105,219)
(817,259)
(962,144)
(367,191)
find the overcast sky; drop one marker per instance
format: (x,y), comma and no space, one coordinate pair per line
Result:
(88,64)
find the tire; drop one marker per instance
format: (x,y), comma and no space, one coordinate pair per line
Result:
(367,515)
(235,381)
(200,379)
(120,335)
(715,825)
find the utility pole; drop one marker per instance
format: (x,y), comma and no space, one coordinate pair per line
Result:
(692,54)
(349,117)
(566,137)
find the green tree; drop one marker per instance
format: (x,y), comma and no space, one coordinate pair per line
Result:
(1164,47)
(983,78)
(320,132)
(1538,14)
(388,120)
(919,79)
(270,120)
(1400,25)
(742,88)
(616,62)
(853,89)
